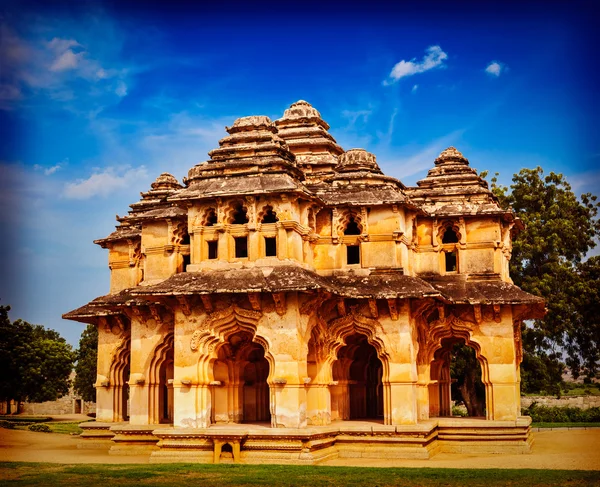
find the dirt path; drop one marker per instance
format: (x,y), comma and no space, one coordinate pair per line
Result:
(567,449)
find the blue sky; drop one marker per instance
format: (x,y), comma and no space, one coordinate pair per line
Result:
(97,99)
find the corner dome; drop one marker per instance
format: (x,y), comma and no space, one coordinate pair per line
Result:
(356,159)
(165,182)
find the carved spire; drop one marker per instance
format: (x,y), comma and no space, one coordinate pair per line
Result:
(306,134)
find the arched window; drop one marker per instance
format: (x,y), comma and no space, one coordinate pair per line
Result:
(239,215)
(449,236)
(352,227)
(211,218)
(270,216)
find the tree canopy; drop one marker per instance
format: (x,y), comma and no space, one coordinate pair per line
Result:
(36,362)
(85,370)
(549,260)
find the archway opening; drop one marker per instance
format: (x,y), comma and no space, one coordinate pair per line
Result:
(457,373)
(119,383)
(241,392)
(256,389)
(358,372)
(166,374)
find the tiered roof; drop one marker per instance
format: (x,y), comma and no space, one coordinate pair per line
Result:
(307,136)
(252,159)
(453,188)
(153,205)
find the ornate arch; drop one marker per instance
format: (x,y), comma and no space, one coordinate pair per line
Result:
(159,357)
(344,219)
(209,217)
(331,337)
(266,211)
(234,207)
(431,336)
(120,361)
(215,331)
(444,226)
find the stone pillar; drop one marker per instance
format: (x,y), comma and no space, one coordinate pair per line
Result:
(289,410)
(424,387)
(319,405)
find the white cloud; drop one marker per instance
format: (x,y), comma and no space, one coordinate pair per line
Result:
(66,60)
(414,89)
(102,183)
(354,115)
(121,89)
(434,58)
(48,171)
(34,66)
(495,69)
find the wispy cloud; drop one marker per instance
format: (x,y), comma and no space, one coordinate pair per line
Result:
(354,116)
(104,182)
(495,69)
(48,171)
(414,89)
(33,66)
(424,158)
(434,58)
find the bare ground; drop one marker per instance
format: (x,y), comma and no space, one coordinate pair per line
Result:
(556,449)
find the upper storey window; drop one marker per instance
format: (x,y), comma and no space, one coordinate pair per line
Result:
(449,236)
(239,215)
(352,227)
(211,218)
(270,216)
(352,250)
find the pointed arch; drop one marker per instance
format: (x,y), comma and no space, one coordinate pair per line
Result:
(430,345)
(160,370)
(118,379)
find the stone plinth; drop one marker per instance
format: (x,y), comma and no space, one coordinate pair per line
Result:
(96,435)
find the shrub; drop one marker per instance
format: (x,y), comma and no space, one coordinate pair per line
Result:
(40,427)
(459,411)
(564,414)
(7,424)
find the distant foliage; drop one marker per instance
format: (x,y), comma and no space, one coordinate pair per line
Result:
(562,414)
(548,260)
(35,363)
(87,358)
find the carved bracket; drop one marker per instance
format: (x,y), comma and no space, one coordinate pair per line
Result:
(207,303)
(393,305)
(185,305)
(254,299)
(279,299)
(373,308)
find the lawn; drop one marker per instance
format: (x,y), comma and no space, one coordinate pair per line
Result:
(564,425)
(24,474)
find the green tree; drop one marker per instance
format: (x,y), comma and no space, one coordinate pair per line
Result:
(36,362)
(85,369)
(465,369)
(548,260)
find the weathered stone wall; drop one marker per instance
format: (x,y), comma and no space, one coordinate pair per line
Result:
(582,402)
(64,405)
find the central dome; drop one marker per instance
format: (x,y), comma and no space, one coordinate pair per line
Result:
(301,109)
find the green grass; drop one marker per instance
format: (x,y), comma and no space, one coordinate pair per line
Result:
(565,425)
(63,428)
(30,474)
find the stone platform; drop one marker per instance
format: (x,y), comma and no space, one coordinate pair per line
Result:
(259,443)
